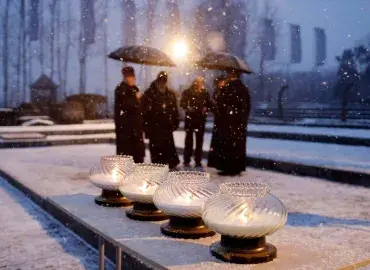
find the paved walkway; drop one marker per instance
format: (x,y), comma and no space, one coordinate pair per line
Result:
(31,239)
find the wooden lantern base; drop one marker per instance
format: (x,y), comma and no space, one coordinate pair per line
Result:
(187,228)
(112,198)
(243,251)
(145,212)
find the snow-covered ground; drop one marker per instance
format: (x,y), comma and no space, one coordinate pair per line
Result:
(57,128)
(52,138)
(345,157)
(342,132)
(328,225)
(351,158)
(345,132)
(31,239)
(324,122)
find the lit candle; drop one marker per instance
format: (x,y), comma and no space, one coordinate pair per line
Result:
(144,187)
(115,175)
(139,192)
(188,204)
(143,182)
(244,213)
(246,223)
(106,181)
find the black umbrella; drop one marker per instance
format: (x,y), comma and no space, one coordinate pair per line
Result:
(224,61)
(142,55)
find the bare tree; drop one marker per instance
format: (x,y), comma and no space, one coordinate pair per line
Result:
(24,49)
(129,21)
(52,8)
(87,33)
(253,27)
(19,51)
(67,44)
(41,35)
(31,36)
(237,26)
(58,33)
(82,52)
(267,41)
(5,52)
(105,49)
(152,6)
(173,17)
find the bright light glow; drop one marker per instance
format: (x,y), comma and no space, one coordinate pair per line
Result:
(179,49)
(115,175)
(144,187)
(245,216)
(188,197)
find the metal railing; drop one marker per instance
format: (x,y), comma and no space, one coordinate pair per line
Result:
(102,255)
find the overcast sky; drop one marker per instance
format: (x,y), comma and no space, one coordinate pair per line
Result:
(345,22)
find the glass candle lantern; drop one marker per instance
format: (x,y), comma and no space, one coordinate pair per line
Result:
(107,176)
(139,186)
(244,213)
(181,197)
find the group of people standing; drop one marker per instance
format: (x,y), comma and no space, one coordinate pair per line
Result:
(155,114)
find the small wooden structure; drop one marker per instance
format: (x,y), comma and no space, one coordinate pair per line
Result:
(43,91)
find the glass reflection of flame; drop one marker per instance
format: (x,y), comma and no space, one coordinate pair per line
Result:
(144,187)
(115,175)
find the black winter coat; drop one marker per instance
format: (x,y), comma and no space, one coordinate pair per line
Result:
(129,122)
(159,110)
(228,152)
(196,105)
(161,118)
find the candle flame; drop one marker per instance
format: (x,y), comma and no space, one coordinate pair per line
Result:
(189,197)
(245,216)
(144,187)
(115,175)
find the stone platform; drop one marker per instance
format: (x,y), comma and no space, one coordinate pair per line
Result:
(328,224)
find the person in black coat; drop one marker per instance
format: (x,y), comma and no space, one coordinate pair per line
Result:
(128,117)
(233,108)
(196,103)
(161,119)
(219,84)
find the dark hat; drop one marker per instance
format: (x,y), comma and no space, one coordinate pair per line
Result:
(128,71)
(162,76)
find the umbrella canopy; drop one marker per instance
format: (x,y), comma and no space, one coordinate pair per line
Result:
(142,55)
(224,61)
